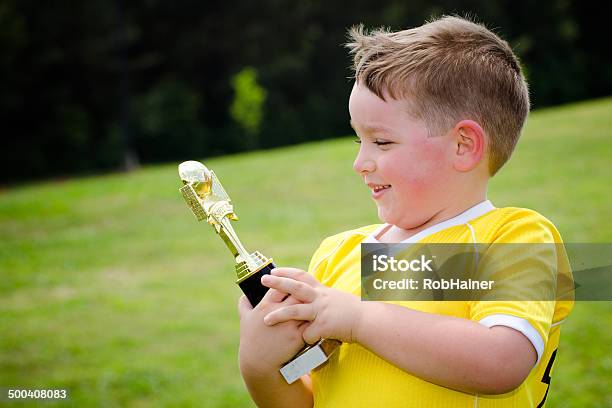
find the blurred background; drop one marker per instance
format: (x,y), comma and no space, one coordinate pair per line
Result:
(109,288)
(101,85)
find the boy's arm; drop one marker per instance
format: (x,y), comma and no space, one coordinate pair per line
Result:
(449,351)
(453,352)
(263,350)
(271,390)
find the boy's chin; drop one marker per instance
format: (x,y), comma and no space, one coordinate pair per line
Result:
(395,219)
(385,217)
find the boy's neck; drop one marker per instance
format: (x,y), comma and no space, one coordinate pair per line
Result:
(394,233)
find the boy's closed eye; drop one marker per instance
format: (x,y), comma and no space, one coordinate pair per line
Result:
(377,142)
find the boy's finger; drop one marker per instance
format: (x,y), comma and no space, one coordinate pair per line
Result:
(311,334)
(244,306)
(300,290)
(290,300)
(294,312)
(296,274)
(273,295)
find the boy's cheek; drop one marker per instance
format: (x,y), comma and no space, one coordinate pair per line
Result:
(419,185)
(428,175)
(420,194)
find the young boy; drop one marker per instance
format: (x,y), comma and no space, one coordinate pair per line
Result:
(438,110)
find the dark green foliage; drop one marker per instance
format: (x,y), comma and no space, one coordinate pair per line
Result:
(84,83)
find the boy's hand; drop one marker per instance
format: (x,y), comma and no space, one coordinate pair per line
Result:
(263,348)
(331,313)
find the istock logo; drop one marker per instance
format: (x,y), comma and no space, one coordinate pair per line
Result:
(384,263)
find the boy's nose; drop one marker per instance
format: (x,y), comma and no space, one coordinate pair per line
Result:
(363,165)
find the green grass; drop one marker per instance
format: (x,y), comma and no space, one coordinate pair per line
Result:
(111,289)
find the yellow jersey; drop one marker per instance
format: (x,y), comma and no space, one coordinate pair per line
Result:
(356,377)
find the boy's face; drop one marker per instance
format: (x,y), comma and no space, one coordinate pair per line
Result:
(407,171)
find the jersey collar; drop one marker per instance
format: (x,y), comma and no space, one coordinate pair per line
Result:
(463,218)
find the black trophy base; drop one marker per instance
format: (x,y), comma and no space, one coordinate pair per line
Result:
(252,287)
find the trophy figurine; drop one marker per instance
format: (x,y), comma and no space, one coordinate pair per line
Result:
(208,201)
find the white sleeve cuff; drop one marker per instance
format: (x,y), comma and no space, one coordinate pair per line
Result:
(519,324)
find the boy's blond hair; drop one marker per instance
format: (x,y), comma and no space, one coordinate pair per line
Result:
(448,70)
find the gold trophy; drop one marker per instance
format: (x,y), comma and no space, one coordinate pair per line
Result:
(208,201)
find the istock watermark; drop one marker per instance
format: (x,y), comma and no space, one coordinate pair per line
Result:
(481,272)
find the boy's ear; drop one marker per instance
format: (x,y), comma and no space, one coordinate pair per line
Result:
(470,140)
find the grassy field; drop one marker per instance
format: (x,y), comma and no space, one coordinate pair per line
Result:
(111,289)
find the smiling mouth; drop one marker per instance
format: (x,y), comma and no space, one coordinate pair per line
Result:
(376,189)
